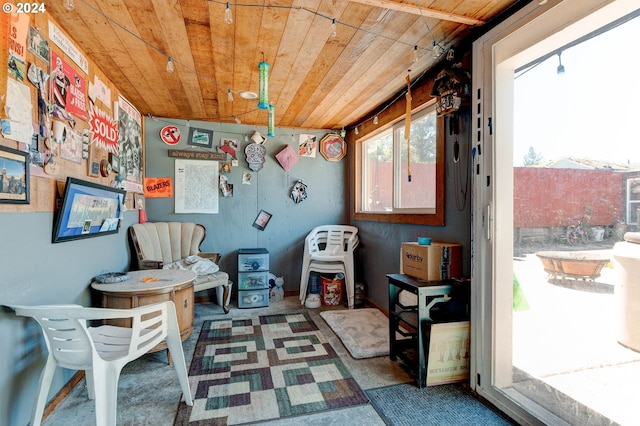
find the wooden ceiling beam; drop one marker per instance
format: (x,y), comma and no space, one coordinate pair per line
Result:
(417,10)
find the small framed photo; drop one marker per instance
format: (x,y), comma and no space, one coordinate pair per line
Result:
(14,176)
(200,137)
(114,160)
(262,220)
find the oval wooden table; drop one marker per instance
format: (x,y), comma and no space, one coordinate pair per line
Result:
(151,286)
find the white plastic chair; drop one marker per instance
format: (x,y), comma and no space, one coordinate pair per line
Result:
(103,351)
(329,249)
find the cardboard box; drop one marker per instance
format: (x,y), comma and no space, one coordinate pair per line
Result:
(414,260)
(445,261)
(436,262)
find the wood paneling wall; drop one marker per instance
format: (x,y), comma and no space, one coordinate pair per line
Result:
(43,190)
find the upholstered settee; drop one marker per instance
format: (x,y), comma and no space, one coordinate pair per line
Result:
(159,245)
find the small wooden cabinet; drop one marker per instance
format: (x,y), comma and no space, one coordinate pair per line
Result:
(151,286)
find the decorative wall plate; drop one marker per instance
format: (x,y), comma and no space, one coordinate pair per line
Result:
(255,156)
(333,147)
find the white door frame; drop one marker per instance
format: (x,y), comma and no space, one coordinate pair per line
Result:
(536,29)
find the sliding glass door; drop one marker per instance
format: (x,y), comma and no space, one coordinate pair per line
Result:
(542,337)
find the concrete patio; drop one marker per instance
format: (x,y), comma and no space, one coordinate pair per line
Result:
(567,340)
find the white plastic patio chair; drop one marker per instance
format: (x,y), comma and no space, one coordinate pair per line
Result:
(329,249)
(103,351)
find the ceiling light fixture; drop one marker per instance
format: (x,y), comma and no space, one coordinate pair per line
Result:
(229,95)
(375,120)
(170,65)
(228,17)
(334,29)
(238,121)
(356,131)
(416,56)
(437,50)
(248,95)
(68,4)
(343,133)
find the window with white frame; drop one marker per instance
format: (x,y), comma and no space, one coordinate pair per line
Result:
(400,177)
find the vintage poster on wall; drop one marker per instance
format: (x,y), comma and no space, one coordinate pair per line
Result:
(104,130)
(196,186)
(17,45)
(98,90)
(67,46)
(130,142)
(160,187)
(67,87)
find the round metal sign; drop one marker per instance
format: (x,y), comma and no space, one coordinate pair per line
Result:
(170,135)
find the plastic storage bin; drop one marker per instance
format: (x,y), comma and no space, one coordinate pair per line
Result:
(253,277)
(253,260)
(253,298)
(253,280)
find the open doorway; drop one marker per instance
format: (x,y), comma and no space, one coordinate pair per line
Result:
(556,185)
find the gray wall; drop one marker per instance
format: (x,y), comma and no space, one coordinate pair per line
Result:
(379,251)
(270,189)
(32,270)
(35,271)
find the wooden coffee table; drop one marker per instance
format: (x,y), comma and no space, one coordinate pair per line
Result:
(151,286)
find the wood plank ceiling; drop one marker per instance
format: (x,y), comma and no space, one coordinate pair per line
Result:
(317,80)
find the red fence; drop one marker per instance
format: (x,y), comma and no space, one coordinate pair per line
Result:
(560,197)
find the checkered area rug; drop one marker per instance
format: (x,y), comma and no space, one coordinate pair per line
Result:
(271,366)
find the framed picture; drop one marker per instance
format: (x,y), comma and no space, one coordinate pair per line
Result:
(262,220)
(14,176)
(200,137)
(448,357)
(333,147)
(87,210)
(114,160)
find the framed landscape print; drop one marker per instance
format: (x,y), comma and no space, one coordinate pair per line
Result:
(14,176)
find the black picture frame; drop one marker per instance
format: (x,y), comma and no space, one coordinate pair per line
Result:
(87,210)
(114,160)
(200,137)
(14,176)
(262,220)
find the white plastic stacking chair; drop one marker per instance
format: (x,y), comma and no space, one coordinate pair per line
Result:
(103,351)
(329,249)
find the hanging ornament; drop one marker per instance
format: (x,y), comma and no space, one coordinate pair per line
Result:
(263,92)
(271,131)
(254,154)
(299,192)
(407,127)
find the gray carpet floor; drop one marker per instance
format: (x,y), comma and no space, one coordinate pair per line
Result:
(444,405)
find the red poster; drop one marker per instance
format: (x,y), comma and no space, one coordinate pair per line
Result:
(158,187)
(104,130)
(68,88)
